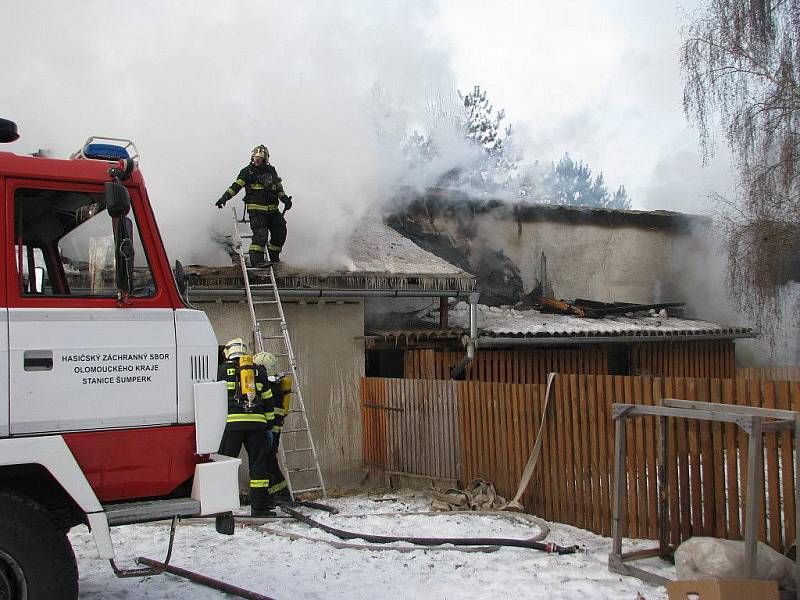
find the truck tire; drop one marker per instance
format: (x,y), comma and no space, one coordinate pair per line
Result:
(36,558)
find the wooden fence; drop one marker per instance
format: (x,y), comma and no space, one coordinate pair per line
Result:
(505,366)
(682,358)
(776,373)
(467,429)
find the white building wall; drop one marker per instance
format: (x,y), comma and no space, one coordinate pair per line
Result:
(328,344)
(608,263)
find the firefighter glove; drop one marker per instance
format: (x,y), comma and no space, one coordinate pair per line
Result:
(287,203)
(221,202)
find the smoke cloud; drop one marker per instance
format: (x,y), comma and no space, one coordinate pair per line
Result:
(198,85)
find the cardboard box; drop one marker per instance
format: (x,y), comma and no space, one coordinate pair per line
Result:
(724,589)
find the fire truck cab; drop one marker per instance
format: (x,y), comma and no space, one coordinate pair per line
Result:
(109,412)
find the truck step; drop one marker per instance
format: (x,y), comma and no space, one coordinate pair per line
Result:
(151,510)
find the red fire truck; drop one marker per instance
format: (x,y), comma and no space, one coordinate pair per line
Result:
(109,412)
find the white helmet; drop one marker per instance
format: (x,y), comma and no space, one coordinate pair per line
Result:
(234,349)
(268,361)
(260,151)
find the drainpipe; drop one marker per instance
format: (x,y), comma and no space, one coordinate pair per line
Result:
(469,342)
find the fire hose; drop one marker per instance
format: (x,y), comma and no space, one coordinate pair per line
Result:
(204,580)
(533,544)
(548,547)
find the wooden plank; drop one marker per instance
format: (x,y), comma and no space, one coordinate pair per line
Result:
(569,447)
(756,393)
(673,459)
(651,441)
(743,447)
(707,473)
(695,462)
(624,393)
(470,463)
(641,460)
(576,407)
(560,478)
(518,444)
(501,474)
(731,466)
(495,440)
(718,450)
(593,453)
(533,418)
(772,477)
(549,448)
(604,455)
(681,435)
(791,517)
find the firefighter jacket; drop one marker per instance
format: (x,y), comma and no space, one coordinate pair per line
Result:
(282,394)
(260,412)
(262,187)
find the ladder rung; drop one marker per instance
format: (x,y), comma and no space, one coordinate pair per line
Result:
(283,431)
(311,489)
(303,470)
(265,301)
(269,318)
(271,337)
(284,354)
(296,410)
(297,450)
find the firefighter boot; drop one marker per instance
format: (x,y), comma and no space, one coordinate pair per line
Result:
(274,256)
(256,258)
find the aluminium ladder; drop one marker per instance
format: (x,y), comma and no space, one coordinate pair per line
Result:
(297,454)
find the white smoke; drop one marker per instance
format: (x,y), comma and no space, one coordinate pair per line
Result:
(197,85)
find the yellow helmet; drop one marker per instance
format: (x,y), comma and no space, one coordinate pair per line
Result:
(268,361)
(260,151)
(234,349)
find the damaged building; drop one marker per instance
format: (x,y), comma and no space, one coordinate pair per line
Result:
(474,290)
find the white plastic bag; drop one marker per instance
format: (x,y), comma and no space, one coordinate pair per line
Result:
(712,558)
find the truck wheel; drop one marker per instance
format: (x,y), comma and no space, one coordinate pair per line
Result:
(36,558)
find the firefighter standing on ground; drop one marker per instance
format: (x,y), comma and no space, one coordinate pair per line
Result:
(250,416)
(281,387)
(263,192)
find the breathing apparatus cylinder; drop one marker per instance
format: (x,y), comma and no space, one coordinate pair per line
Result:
(286,391)
(247,381)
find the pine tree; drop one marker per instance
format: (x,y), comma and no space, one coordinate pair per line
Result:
(495,168)
(572,184)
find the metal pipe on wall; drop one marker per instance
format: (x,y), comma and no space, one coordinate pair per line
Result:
(458,371)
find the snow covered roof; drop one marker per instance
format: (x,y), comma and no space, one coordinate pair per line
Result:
(380,258)
(381,249)
(509,322)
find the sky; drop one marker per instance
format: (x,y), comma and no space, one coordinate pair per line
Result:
(599,80)
(325,85)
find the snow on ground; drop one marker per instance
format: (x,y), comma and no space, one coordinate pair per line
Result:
(285,569)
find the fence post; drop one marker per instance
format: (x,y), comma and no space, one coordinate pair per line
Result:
(619,487)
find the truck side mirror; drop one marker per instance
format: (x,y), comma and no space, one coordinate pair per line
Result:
(118,201)
(123,254)
(180,278)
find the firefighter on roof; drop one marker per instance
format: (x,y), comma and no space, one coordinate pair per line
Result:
(250,417)
(281,387)
(263,191)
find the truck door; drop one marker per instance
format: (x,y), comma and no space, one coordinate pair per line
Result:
(79,360)
(4,382)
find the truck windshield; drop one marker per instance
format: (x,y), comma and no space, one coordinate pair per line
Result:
(65,246)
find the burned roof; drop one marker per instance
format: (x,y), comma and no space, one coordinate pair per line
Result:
(380,257)
(509,322)
(445,201)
